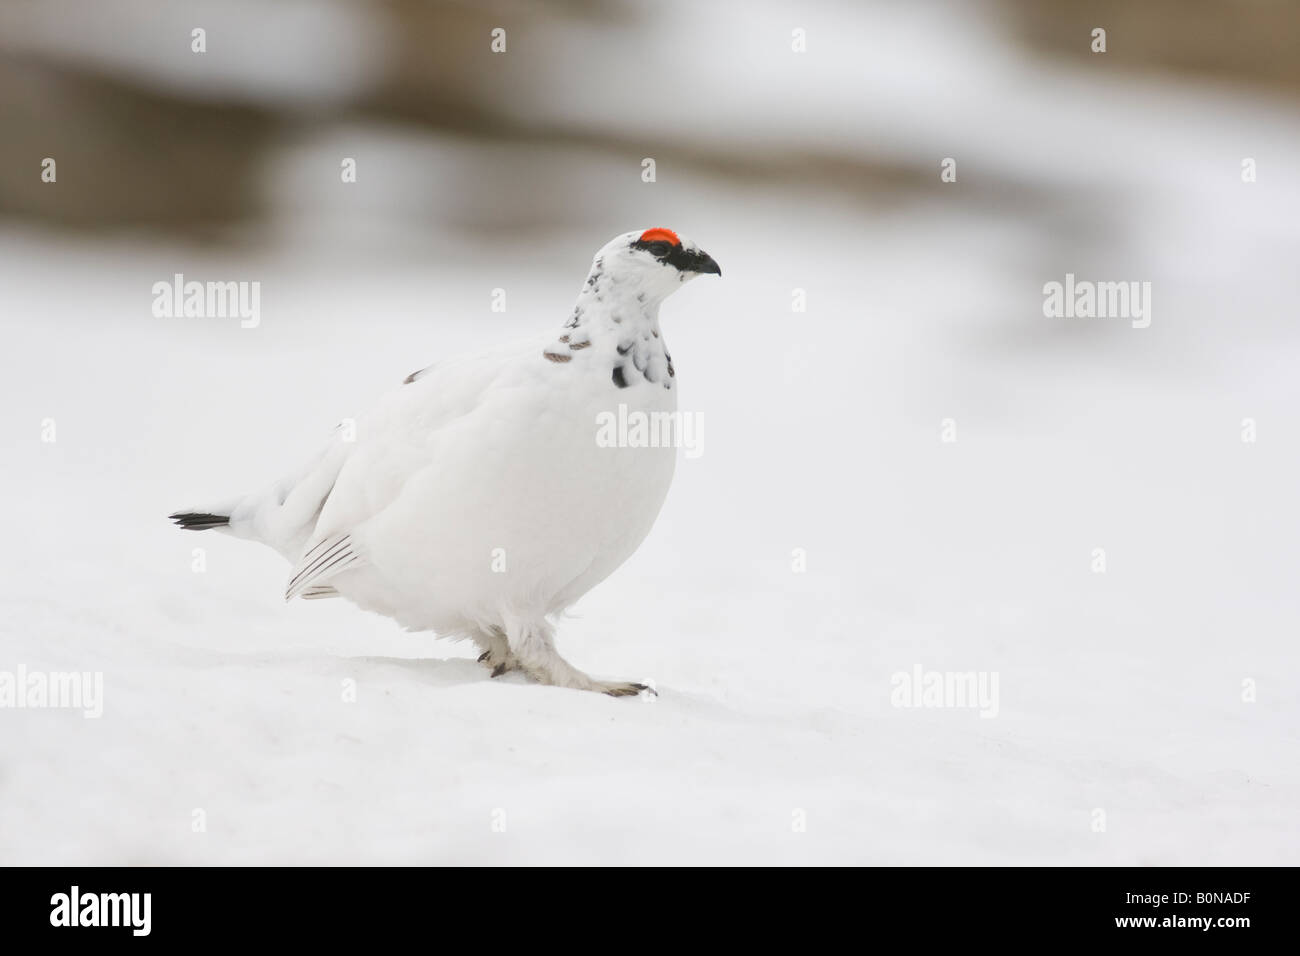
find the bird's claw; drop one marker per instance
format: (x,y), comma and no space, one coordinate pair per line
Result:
(497,662)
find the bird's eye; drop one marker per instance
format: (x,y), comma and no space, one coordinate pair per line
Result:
(659,249)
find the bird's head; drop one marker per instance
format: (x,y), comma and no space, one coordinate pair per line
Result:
(658,261)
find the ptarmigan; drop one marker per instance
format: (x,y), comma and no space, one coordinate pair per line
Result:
(476,501)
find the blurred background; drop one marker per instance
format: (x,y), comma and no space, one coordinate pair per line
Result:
(801,145)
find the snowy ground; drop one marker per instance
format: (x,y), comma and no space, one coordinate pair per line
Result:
(1120,692)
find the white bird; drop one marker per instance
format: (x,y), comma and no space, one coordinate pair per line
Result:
(475,501)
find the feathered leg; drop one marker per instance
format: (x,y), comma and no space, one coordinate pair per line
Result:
(533,646)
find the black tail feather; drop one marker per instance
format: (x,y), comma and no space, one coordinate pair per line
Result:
(197,521)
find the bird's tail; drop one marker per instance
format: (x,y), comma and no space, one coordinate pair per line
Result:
(199,520)
(282,516)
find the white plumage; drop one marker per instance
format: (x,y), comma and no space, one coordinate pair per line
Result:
(475,500)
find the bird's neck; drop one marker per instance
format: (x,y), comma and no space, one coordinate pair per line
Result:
(615,326)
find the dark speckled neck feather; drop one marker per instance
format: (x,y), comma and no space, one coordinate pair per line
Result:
(616,327)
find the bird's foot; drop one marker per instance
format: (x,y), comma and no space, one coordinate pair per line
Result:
(498,661)
(533,651)
(567,676)
(579,681)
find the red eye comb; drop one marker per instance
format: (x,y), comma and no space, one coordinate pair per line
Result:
(660,235)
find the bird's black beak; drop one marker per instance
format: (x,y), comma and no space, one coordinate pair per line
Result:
(705,265)
(699,262)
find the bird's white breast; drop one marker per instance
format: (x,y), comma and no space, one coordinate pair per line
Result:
(502,499)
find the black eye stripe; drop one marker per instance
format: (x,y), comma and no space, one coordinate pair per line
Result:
(657,248)
(678,256)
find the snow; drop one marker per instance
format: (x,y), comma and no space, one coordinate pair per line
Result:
(1120,692)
